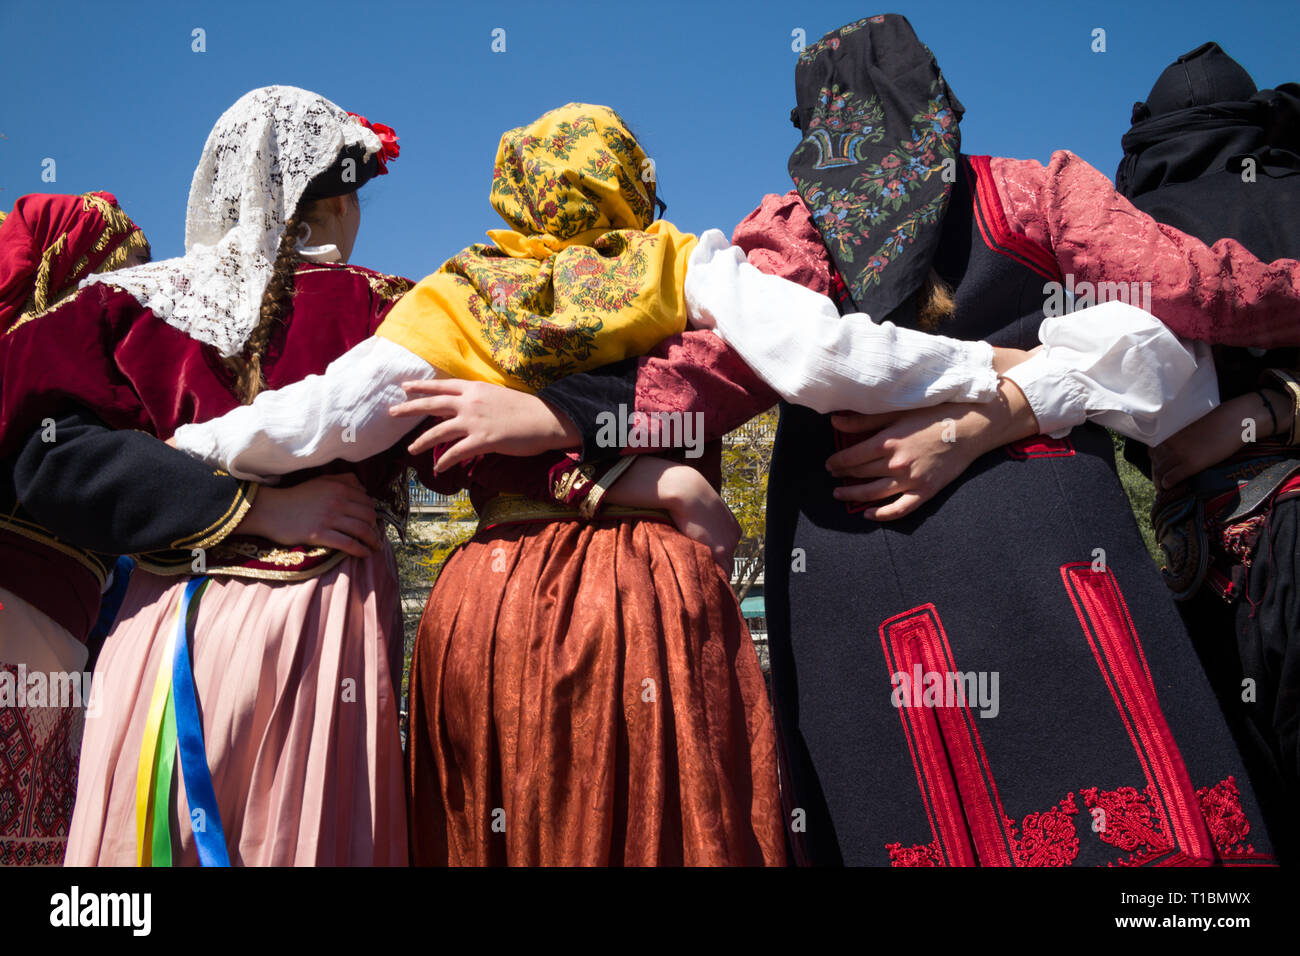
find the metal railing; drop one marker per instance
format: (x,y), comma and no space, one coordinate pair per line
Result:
(423,498)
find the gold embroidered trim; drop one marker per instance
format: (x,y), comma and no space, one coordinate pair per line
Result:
(591,505)
(389,287)
(226,524)
(505,509)
(118,229)
(40,535)
(381,284)
(285,557)
(238,571)
(564,487)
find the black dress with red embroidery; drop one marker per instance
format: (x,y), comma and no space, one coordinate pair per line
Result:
(1001,677)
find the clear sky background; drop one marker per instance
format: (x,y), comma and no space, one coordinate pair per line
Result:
(113,92)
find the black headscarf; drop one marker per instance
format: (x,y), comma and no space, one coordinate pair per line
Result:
(1215,158)
(878,157)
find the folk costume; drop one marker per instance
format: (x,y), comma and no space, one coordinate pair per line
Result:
(293,654)
(1210,154)
(581,278)
(1094,738)
(536,304)
(583,689)
(50,585)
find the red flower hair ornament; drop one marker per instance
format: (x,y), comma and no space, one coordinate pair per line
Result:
(387,138)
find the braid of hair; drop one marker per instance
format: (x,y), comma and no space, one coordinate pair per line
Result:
(276,302)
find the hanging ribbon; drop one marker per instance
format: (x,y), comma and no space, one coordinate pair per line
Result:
(154,759)
(173,724)
(205,816)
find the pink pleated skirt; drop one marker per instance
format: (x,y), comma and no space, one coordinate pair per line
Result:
(298,688)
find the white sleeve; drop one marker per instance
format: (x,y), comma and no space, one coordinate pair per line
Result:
(796,341)
(340,414)
(1121,367)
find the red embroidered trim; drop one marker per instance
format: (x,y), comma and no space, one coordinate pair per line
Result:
(1125,818)
(997,233)
(952,771)
(1040,446)
(1227,821)
(1048,838)
(1130,821)
(1108,626)
(923,854)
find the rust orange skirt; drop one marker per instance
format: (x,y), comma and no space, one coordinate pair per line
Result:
(588,694)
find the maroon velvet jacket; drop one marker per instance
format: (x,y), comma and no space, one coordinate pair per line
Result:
(103,351)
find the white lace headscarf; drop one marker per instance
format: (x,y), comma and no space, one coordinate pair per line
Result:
(256,164)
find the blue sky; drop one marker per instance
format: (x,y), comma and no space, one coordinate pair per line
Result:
(113,92)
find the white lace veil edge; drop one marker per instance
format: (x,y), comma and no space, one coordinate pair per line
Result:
(256,164)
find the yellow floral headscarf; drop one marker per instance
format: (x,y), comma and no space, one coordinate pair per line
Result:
(583,276)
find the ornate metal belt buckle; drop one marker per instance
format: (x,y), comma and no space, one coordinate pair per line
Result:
(1180,531)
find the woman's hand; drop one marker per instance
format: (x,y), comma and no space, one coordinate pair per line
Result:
(331,512)
(1217,436)
(483,419)
(696,508)
(914,455)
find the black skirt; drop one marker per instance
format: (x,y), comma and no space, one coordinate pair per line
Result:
(999,679)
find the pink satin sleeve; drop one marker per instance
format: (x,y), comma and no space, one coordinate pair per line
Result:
(1220,293)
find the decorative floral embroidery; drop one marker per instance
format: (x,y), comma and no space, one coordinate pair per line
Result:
(1048,838)
(1130,823)
(845,126)
(847,216)
(833,41)
(1045,838)
(927,854)
(232,550)
(1221,805)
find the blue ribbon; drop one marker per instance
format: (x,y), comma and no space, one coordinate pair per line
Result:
(211,841)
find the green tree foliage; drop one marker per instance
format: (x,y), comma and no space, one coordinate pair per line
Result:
(1141,495)
(430,540)
(746,464)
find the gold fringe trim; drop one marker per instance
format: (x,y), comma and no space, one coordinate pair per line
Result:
(119,232)
(40,296)
(31,316)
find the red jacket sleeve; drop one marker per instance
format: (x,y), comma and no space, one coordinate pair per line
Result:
(1220,293)
(695,371)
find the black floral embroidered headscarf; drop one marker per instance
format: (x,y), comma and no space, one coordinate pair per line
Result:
(878,157)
